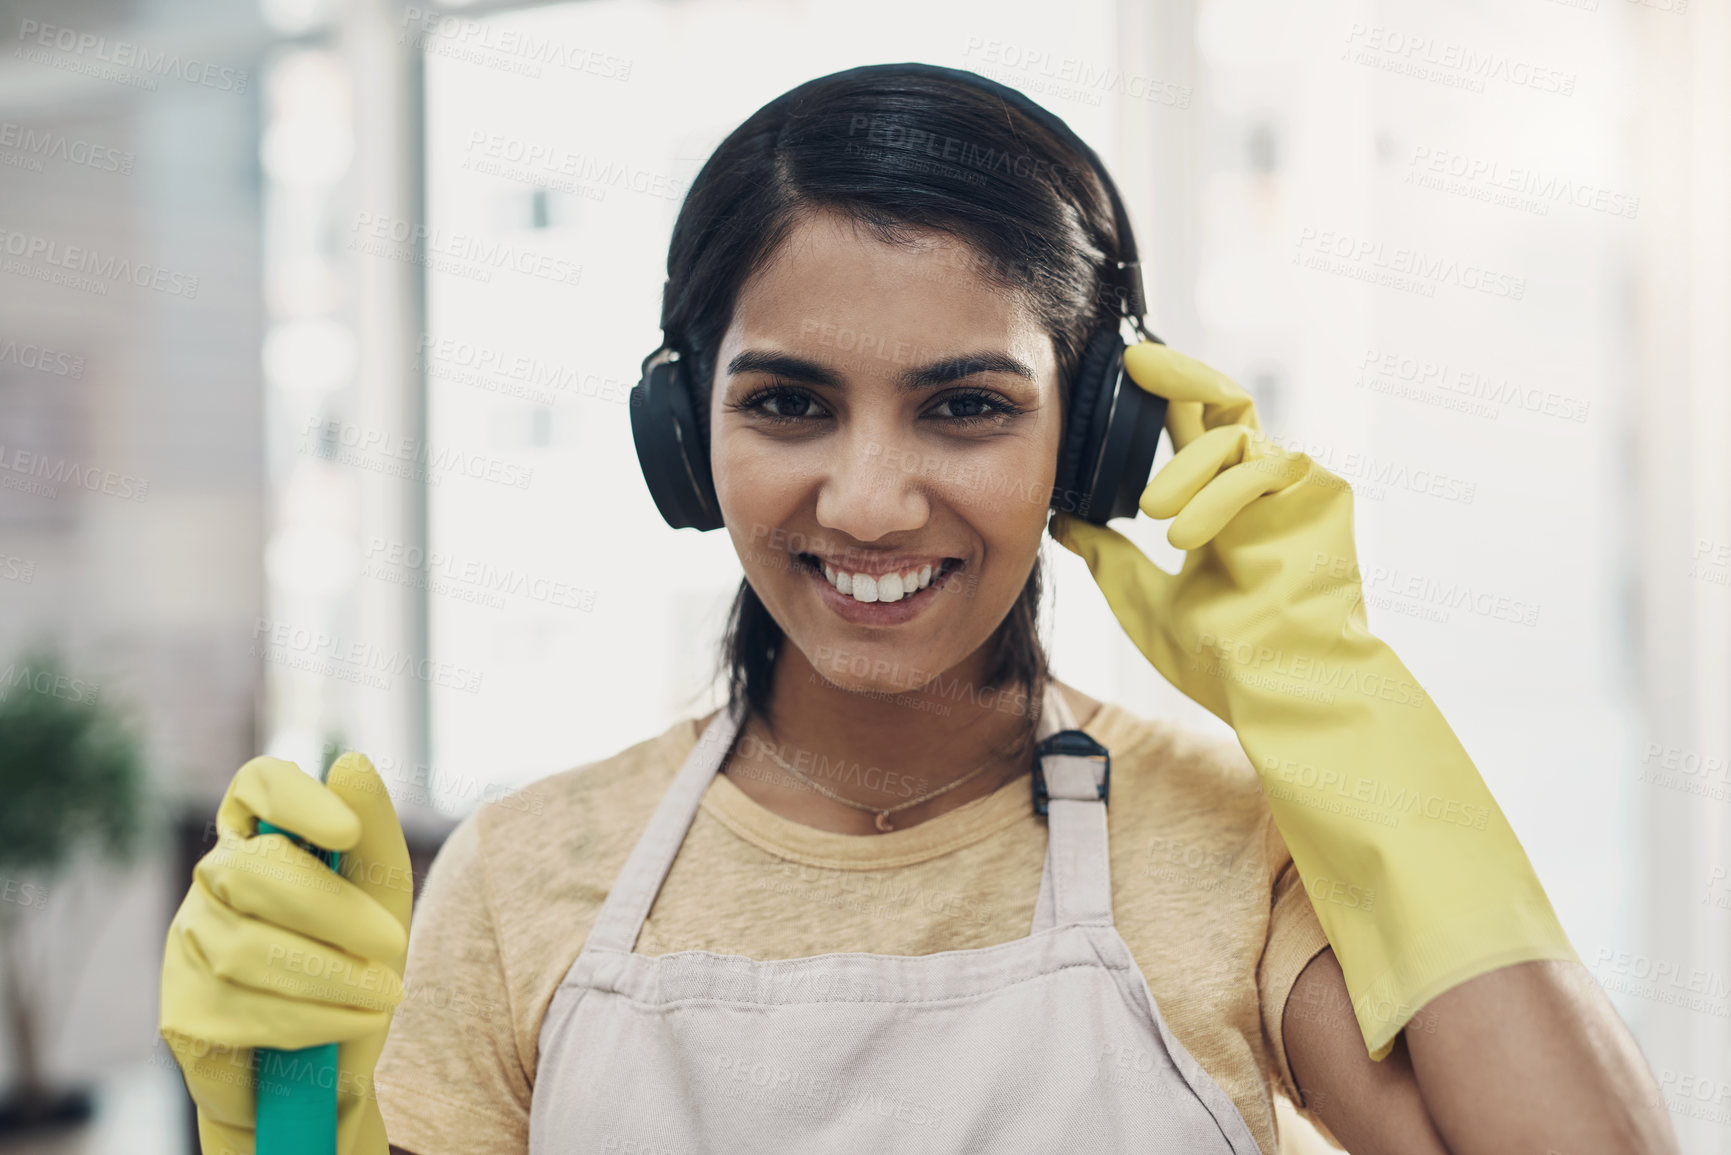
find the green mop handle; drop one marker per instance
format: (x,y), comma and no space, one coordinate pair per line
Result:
(297,1090)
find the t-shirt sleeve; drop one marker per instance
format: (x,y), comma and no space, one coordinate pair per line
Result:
(450,1080)
(1294,938)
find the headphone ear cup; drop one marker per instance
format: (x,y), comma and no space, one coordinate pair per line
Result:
(670,449)
(1113,432)
(1085,429)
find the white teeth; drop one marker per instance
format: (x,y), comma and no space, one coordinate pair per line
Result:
(889,587)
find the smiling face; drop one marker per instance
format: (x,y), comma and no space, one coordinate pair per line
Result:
(883,415)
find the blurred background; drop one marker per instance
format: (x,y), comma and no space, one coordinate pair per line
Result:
(317,325)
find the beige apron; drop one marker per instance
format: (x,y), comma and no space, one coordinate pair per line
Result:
(1050,1043)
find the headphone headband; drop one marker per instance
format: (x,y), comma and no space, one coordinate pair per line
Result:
(1131,302)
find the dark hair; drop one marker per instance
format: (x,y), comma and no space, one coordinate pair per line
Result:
(899,155)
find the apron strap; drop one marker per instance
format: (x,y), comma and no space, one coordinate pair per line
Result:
(633,892)
(1076,882)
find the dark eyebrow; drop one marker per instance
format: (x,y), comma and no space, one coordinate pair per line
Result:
(922,377)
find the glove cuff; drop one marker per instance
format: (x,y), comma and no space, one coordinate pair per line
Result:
(1442,956)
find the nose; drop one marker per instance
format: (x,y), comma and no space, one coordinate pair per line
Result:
(871,491)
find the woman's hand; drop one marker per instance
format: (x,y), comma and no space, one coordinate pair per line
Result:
(1270,577)
(1412,869)
(272,949)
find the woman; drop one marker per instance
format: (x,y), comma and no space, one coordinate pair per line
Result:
(893,923)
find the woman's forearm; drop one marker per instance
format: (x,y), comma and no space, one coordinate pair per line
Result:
(1533,1058)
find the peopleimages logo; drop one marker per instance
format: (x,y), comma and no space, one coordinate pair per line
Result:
(1486,175)
(353,659)
(1366,259)
(19,676)
(463,254)
(1463,386)
(55,472)
(1374,792)
(1037,69)
(1457,65)
(101,267)
(805,1091)
(495,369)
(125,54)
(472,578)
(429,29)
(381,451)
(1663,980)
(41,358)
(35,144)
(540,162)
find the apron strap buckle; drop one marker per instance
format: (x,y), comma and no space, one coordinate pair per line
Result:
(1070,764)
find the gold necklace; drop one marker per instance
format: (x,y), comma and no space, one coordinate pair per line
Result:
(883,814)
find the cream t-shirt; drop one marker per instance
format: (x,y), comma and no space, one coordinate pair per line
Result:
(1203,889)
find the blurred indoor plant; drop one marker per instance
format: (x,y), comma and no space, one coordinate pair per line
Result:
(71,782)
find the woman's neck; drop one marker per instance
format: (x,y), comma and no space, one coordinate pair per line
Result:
(880,749)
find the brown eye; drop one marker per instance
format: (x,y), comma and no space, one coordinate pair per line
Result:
(779,405)
(966,407)
(787,404)
(976,407)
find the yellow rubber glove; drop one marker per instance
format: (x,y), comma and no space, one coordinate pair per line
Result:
(272,949)
(1414,873)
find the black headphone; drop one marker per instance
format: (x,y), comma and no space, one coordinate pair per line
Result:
(1114,424)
